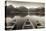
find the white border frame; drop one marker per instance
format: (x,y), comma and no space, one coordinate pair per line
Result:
(2,18)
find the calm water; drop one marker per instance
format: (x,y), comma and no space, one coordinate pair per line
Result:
(21,20)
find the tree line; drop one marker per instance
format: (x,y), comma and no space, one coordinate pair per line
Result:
(23,11)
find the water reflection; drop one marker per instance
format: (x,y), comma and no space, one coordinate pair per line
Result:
(20,20)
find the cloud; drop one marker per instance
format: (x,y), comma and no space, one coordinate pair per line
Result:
(26,4)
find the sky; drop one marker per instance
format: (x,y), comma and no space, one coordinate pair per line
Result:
(26,4)
(41,1)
